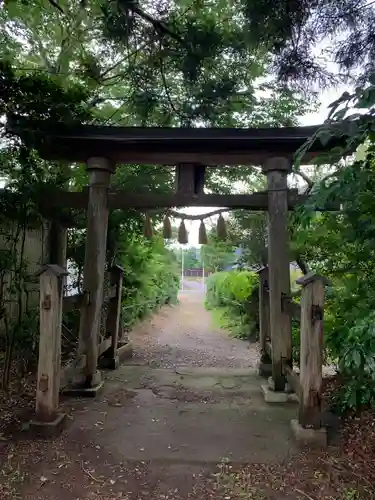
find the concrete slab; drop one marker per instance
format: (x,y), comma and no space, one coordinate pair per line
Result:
(80,391)
(131,375)
(153,426)
(213,371)
(166,430)
(237,381)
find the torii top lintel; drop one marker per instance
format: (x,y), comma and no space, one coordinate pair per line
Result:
(168,146)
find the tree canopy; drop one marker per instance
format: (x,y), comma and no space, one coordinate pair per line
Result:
(315,41)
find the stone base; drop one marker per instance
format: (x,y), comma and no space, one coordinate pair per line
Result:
(274,397)
(125,352)
(80,391)
(288,387)
(109,363)
(48,429)
(311,438)
(264,369)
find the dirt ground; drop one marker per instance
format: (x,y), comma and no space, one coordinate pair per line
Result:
(185,337)
(183,420)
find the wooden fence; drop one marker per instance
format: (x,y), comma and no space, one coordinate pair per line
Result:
(307,384)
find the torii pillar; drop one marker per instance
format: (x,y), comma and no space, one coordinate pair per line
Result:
(277,169)
(99,170)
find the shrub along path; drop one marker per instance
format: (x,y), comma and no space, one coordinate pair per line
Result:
(187,403)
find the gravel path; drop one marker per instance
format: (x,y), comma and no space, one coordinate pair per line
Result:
(183,335)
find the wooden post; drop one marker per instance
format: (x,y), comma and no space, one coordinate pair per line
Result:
(312,308)
(57,243)
(99,170)
(265,365)
(48,382)
(190,178)
(110,357)
(277,170)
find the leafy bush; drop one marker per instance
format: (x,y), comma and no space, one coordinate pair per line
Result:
(151,277)
(233,297)
(341,247)
(357,366)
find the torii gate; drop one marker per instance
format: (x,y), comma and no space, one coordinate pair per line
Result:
(189,151)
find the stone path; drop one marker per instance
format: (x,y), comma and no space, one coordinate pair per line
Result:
(189,399)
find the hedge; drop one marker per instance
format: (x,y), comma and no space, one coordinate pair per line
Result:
(233,298)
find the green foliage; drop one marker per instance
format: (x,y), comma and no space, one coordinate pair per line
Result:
(151,276)
(249,231)
(295,58)
(217,254)
(233,297)
(341,246)
(357,365)
(191,257)
(39,97)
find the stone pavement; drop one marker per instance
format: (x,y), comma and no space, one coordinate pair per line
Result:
(189,415)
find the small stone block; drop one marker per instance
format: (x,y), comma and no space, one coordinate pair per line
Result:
(265,369)
(275,397)
(109,363)
(48,429)
(80,391)
(271,396)
(288,388)
(311,438)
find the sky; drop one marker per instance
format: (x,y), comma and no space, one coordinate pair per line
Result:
(316,118)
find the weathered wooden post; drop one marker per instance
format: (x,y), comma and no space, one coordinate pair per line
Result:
(58,234)
(110,357)
(47,418)
(277,170)
(57,243)
(308,429)
(100,170)
(265,365)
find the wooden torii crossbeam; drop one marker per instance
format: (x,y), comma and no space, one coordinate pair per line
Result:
(121,199)
(189,151)
(168,146)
